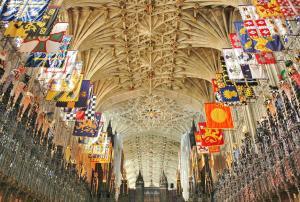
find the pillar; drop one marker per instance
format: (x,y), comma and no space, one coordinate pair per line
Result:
(139,188)
(163,191)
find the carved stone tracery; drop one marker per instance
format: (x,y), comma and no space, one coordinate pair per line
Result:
(136,51)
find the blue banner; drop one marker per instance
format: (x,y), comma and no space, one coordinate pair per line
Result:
(88,128)
(84,96)
(259,44)
(23,10)
(2,5)
(229,94)
(48,60)
(245,39)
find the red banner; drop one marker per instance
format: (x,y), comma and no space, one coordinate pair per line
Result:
(214,85)
(265,58)
(267,9)
(235,41)
(210,136)
(218,116)
(296,78)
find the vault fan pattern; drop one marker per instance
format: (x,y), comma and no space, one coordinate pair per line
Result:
(151,63)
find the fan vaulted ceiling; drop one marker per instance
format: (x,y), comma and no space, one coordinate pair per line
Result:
(151,62)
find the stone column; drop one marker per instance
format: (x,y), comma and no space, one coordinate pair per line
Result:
(163,185)
(139,188)
(272,74)
(139,194)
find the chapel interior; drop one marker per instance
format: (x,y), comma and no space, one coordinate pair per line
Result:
(149,100)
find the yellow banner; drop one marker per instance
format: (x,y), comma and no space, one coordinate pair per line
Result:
(102,158)
(268,9)
(66,90)
(41,28)
(100,147)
